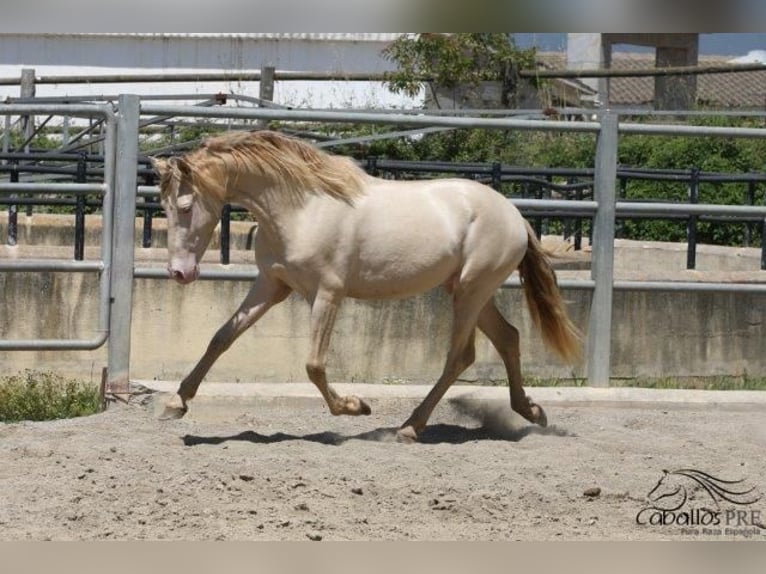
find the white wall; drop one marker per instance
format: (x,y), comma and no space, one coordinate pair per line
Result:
(79,54)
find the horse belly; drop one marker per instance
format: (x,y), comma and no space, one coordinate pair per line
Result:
(402,266)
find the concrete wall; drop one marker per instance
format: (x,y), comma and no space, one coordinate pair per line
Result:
(654,334)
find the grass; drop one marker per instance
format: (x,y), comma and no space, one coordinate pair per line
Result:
(42,396)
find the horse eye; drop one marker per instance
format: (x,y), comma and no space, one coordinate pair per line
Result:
(185,203)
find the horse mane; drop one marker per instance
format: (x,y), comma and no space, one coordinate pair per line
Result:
(294,166)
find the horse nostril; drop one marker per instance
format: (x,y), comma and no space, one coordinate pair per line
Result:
(176,274)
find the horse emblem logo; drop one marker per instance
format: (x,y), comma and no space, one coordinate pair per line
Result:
(692,498)
(677,487)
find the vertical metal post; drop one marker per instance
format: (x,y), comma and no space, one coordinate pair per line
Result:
(750,201)
(763,245)
(497,175)
(225,234)
(65,131)
(7,136)
(79,217)
(146,240)
(602,253)
(126,162)
(27,90)
(13,210)
(266,89)
(691,223)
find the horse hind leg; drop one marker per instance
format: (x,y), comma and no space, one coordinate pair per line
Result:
(323,311)
(505,338)
(461,355)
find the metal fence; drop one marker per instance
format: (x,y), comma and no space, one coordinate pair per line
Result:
(103,266)
(574,184)
(604,208)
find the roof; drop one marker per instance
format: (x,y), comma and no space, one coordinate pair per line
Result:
(726,90)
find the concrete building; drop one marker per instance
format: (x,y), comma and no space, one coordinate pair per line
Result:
(593,51)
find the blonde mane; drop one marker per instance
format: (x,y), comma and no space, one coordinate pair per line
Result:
(293,166)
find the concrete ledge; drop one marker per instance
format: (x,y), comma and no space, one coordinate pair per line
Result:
(559,396)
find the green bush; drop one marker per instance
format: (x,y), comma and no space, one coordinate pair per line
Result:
(39,396)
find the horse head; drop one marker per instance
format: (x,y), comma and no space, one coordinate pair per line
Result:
(191,217)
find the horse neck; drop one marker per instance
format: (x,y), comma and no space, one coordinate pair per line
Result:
(273,209)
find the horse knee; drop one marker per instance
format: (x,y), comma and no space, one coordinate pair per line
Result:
(315,371)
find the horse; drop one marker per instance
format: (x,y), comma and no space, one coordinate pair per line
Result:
(328,231)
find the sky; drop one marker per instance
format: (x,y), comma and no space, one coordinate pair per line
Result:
(710,44)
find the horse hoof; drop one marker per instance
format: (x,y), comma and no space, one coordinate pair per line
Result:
(406,435)
(353,406)
(538,415)
(172,413)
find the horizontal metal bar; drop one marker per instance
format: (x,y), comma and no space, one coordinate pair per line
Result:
(533,205)
(54,344)
(206,273)
(192,77)
(686,176)
(510,283)
(147,191)
(636,73)
(113,97)
(574,284)
(623,208)
(75,188)
(85,110)
(626,208)
(689,286)
(368,118)
(52,265)
(681,130)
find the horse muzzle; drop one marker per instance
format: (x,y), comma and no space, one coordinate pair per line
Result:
(184,277)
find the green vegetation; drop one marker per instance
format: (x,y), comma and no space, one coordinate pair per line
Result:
(454,59)
(39,396)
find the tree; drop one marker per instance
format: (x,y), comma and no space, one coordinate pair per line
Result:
(452,60)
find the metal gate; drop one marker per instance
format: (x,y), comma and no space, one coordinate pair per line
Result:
(114,266)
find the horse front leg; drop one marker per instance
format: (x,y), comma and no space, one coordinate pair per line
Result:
(324,308)
(263,295)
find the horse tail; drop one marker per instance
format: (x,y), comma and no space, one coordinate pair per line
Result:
(546,306)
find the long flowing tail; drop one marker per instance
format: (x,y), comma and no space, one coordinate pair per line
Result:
(545,303)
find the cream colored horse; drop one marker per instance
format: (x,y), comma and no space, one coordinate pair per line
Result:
(329,231)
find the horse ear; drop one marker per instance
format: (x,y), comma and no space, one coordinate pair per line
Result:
(159,164)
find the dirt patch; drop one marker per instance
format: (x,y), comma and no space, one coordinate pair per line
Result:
(285,469)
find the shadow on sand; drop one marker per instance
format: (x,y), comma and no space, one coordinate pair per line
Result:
(494,423)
